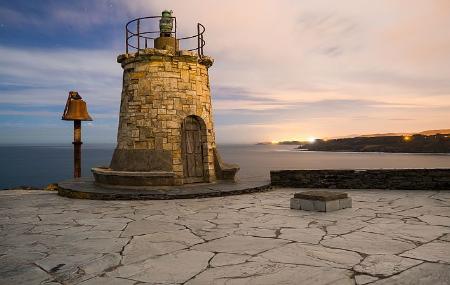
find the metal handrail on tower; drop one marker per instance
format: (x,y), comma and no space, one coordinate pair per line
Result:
(137,38)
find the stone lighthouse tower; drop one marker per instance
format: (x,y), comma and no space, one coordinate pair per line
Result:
(166,130)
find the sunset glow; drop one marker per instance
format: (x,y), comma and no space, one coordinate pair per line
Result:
(344,69)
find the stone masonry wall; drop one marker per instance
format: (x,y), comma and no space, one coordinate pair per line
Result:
(425,179)
(160,89)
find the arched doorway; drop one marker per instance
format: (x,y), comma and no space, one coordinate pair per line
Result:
(192,150)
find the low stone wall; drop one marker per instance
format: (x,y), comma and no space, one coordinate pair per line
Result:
(414,179)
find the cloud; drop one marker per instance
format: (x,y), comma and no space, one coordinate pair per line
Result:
(49,16)
(10,17)
(282,67)
(44,77)
(34,87)
(240,93)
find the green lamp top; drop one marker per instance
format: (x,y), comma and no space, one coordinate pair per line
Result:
(167,13)
(166,22)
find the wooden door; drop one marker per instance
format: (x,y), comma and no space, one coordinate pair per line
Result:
(192,151)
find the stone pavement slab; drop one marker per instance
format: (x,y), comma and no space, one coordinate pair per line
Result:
(385,264)
(388,237)
(427,273)
(437,251)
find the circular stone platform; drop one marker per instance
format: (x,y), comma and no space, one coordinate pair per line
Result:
(85,188)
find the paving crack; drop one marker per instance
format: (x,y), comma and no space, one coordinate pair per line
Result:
(203,270)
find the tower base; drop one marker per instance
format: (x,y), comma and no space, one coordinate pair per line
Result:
(108,176)
(86,188)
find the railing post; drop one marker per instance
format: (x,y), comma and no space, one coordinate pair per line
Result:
(198,40)
(176,42)
(203,44)
(126,39)
(138,36)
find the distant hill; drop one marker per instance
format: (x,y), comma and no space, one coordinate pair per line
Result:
(429,141)
(435,132)
(416,143)
(282,142)
(425,133)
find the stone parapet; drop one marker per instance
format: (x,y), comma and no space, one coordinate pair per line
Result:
(408,179)
(151,54)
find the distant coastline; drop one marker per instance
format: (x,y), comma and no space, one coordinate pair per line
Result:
(433,141)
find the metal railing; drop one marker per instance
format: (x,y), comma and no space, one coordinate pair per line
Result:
(137,38)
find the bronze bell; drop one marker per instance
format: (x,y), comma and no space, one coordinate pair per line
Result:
(75,109)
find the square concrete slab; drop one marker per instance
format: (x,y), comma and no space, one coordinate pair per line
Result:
(320,201)
(321,195)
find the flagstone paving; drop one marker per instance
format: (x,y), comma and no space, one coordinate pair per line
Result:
(388,237)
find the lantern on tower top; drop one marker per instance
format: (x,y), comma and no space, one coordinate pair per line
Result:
(166,23)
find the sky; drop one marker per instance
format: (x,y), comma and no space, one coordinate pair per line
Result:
(284,70)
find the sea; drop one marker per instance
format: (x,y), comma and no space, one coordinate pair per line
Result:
(37,166)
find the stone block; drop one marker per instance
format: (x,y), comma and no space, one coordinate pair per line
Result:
(177,168)
(137,75)
(306,205)
(141,160)
(173,124)
(295,204)
(320,201)
(107,176)
(319,206)
(320,195)
(345,203)
(333,205)
(134,133)
(185,75)
(140,145)
(167,146)
(223,171)
(184,86)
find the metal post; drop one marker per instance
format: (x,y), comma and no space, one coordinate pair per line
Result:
(198,40)
(126,39)
(77,148)
(138,37)
(203,43)
(175,21)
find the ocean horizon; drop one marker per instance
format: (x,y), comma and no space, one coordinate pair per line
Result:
(38,165)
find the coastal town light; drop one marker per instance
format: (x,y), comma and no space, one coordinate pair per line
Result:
(76,111)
